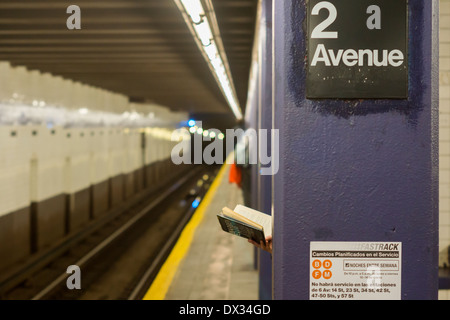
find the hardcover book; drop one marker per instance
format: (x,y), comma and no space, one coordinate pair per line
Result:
(246,223)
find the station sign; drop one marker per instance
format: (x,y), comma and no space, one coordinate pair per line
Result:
(357,49)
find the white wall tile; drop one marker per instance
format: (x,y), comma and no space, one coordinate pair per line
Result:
(444,7)
(444,295)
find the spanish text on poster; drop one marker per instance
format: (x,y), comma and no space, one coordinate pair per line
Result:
(355,270)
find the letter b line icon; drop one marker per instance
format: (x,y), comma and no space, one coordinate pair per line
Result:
(316,264)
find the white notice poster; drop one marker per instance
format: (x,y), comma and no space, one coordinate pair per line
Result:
(355,270)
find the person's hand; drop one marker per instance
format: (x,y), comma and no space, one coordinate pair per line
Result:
(266,247)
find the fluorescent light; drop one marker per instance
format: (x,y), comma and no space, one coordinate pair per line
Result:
(201,29)
(211,51)
(204,33)
(83,111)
(218,66)
(194,9)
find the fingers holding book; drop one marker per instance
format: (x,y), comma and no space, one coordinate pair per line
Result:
(267,246)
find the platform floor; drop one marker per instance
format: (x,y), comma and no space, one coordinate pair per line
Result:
(214,265)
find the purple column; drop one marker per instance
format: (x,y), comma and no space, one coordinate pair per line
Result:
(265,123)
(355,170)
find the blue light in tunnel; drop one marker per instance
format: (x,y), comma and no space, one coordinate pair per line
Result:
(196,203)
(191,123)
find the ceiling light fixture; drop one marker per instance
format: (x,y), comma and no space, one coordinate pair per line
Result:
(209,44)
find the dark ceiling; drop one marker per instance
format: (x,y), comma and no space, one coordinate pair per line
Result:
(140,48)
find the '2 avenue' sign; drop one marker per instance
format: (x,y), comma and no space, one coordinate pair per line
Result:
(357,49)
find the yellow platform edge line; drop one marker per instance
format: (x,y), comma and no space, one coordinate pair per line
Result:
(163,280)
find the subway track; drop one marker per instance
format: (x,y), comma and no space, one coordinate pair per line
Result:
(119,260)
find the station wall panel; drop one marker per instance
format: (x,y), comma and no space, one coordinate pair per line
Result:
(444,139)
(53,181)
(14,169)
(70,153)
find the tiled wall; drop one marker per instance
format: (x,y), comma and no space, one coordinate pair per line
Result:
(69,160)
(53,146)
(444,133)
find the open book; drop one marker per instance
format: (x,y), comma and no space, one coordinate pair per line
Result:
(246,223)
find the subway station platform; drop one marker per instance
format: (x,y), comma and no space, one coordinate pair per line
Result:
(207,263)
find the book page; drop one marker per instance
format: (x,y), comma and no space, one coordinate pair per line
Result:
(257,216)
(236,216)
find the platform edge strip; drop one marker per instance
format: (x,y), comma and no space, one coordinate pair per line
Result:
(163,280)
